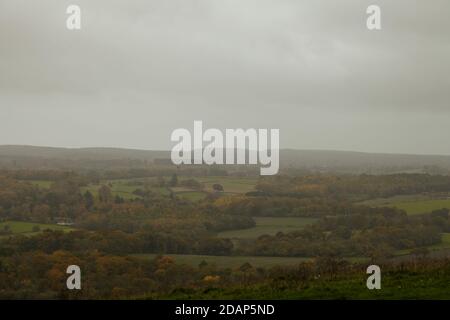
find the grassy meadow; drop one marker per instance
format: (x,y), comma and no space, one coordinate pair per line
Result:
(45,184)
(236,185)
(445,244)
(30,228)
(124,187)
(412,204)
(191,195)
(422,206)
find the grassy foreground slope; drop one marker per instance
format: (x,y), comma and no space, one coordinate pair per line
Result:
(398,284)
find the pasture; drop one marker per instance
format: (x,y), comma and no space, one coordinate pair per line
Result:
(44,184)
(124,187)
(445,244)
(422,206)
(412,204)
(118,188)
(191,195)
(231,185)
(234,185)
(30,228)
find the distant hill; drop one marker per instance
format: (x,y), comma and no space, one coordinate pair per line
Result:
(13,156)
(365,161)
(20,157)
(13,151)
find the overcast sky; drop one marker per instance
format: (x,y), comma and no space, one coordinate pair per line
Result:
(139,69)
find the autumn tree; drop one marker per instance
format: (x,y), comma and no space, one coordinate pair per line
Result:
(105,194)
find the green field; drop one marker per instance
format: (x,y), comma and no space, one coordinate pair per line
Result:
(379,202)
(422,206)
(412,204)
(121,187)
(118,188)
(230,184)
(44,184)
(192,195)
(124,187)
(445,244)
(26,228)
(270,226)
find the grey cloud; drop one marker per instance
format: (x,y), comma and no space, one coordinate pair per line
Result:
(139,69)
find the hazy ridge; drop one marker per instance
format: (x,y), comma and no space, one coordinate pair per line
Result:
(35,156)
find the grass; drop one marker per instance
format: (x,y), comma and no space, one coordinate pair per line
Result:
(412,204)
(118,188)
(379,202)
(230,184)
(422,206)
(400,285)
(269,226)
(192,195)
(125,187)
(44,184)
(160,190)
(26,228)
(445,244)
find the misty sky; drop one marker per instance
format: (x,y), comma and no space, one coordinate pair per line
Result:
(139,69)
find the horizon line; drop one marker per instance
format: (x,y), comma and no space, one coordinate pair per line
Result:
(281,149)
